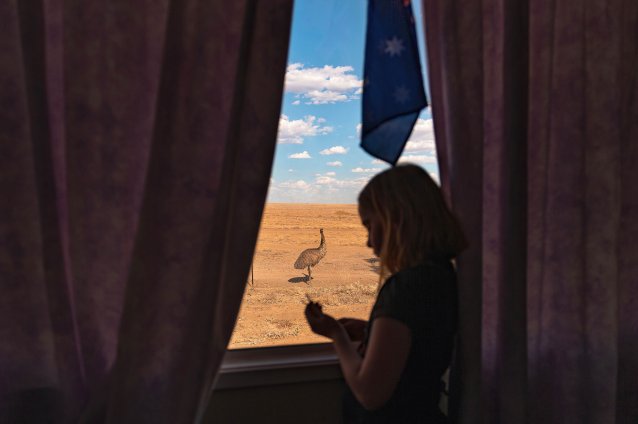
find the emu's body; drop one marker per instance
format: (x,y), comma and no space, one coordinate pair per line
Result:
(311,257)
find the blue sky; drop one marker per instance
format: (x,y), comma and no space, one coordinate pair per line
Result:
(318,158)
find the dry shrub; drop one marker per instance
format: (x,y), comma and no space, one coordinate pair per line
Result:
(270,329)
(280,328)
(349,294)
(275,296)
(344,213)
(271,298)
(259,332)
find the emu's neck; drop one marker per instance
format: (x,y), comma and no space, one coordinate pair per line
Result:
(322,245)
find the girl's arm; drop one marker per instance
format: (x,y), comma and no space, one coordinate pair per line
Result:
(354,327)
(374,377)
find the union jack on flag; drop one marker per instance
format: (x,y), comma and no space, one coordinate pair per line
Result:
(393,93)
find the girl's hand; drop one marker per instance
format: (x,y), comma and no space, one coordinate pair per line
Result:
(355,327)
(321,323)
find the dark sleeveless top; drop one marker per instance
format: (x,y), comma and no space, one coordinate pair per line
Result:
(425,299)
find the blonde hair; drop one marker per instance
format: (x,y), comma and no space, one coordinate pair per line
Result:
(417,224)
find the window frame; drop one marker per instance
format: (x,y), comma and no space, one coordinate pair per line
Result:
(272,365)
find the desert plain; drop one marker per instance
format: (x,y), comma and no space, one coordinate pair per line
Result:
(344,282)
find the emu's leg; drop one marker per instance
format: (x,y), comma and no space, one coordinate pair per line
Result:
(309,274)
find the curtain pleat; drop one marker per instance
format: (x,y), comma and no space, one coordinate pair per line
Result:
(136,146)
(535,123)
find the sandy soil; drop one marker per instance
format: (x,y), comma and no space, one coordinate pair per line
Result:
(345,281)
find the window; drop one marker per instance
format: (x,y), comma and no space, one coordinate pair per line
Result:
(317,174)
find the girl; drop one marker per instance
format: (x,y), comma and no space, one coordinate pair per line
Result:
(394,375)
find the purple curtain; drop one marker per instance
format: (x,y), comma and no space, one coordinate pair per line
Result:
(136,142)
(535,107)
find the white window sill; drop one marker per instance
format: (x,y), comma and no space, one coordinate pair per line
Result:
(278,365)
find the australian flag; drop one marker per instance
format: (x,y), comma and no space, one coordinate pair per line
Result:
(393,93)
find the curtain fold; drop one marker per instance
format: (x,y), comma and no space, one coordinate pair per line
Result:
(535,112)
(136,144)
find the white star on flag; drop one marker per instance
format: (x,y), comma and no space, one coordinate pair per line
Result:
(401,94)
(394,47)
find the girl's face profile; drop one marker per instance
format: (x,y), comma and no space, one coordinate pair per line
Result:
(375,229)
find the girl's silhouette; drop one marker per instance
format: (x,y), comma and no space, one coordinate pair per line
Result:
(394,373)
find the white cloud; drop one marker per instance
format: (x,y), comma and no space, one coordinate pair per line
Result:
(322,97)
(420,159)
(324,188)
(295,185)
(378,162)
(335,183)
(435,177)
(293,131)
(291,170)
(329,84)
(335,163)
(358,129)
(334,150)
(360,170)
(302,155)
(296,103)
(323,180)
(422,138)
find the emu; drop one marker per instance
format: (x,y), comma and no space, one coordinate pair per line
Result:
(311,257)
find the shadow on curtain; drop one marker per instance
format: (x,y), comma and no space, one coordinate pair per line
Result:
(535,108)
(136,143)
